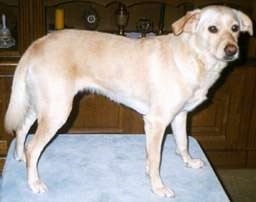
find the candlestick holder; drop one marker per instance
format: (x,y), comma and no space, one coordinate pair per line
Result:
(6,39)
(122,17)
(144,26)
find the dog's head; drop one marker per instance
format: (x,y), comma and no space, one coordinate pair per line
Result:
(216,30)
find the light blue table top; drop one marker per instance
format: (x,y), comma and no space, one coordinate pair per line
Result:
(109,168)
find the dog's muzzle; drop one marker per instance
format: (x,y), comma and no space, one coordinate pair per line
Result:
(230,52)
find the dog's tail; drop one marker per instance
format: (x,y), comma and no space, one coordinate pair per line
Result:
(18,104)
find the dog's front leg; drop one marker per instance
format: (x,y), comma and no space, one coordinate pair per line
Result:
(154,130)
(180,134)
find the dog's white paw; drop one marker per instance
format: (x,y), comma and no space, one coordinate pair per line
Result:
(164,192)
(195,163)
(38,187)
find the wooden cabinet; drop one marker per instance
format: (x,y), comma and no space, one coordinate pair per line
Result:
(225,125)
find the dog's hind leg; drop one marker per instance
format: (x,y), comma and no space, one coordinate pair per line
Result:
(180,134)
(21,134)
(154,129)
(50,120)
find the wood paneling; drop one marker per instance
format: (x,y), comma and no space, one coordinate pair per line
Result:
(5,85)
(223,122)
(227,159)
(252,129)
(251,162)
(97,114)
(92,113)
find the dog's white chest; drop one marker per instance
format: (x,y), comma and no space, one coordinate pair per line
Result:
(200,93)
(198,97)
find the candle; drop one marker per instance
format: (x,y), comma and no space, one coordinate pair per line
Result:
(59,18)
(161,19)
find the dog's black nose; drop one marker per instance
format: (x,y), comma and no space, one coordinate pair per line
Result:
(230,50)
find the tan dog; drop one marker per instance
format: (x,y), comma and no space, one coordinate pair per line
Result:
(162,78)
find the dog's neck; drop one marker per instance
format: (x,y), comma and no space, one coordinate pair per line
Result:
(209,61)
(204,67)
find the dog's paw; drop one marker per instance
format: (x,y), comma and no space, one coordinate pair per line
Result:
(38,187)
(195,163)
(164,192)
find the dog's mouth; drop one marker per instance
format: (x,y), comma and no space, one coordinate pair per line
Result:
(230,52)
(229,58)
(226,53)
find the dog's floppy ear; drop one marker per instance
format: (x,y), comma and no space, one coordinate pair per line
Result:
(187,23)
(245,22)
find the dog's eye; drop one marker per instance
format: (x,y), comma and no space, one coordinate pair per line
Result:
(235,28)
(213,29)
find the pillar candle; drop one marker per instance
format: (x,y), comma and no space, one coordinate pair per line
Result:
(59,18)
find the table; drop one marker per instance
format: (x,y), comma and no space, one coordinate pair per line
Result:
(109,168)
